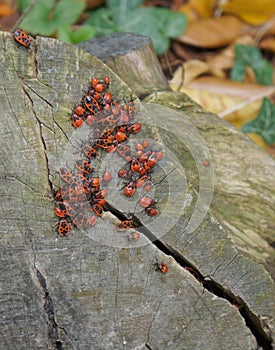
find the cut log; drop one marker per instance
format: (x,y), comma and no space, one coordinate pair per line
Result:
(244,192)
(132,57)
(96,289)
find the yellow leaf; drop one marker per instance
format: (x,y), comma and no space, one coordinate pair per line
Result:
(189,71)
(260,142)
(195,9)
(253,11)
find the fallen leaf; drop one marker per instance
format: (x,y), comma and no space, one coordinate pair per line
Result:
(260,142)
(225,60)
(213,32)
(7,9)
(268,44)
(226,97)
(188,72)
(236,102)
(195,9)
(254,12)
(264,123)
(217,65)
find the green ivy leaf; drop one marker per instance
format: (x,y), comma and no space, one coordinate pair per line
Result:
(102,21)
(264,73)
(122,15)
(238,71)
(264,124)
(47,16)
(121,8)
(67,35)
(171,22)
(23,4)
(252,57)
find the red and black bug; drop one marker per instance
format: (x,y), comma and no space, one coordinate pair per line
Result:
(101,194)
(162,267)
(141,181)
(66,175)
(134,165)
(76,120)
(146,202)
(103,143)
(21,37)
(63,228)
(134,236)
(84,166)
(91,104)
(98,209)
(151,211)
(89,151)
(58,195)
(121,136)
(107,176)
(130,189)
(134,128)
(94,181)
(125,225)
(125,174)
(100,201)
(79,110)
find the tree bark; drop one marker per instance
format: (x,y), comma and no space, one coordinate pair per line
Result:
(96,289)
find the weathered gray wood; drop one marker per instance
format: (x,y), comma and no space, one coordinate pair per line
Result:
(96,290)
(244,193)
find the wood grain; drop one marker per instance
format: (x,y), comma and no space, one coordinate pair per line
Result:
(97,290)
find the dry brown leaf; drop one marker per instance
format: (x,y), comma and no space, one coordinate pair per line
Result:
(7,9)
(188,72)
(195,9)
(226,58)
(238,103)
(253,12)
(218,65)
(213,32)
(268,44)
(231,88)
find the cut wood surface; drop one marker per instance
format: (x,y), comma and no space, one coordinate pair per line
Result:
(95,289)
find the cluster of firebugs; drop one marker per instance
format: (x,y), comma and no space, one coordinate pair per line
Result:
(112,124)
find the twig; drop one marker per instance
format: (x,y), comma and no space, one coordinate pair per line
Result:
(21,18)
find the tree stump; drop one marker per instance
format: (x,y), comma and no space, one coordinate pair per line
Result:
(96,289)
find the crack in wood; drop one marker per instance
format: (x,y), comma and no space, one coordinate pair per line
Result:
(61,129)
(12,177)
(49,309)
(35,65)
(40,96)
(41,136)
(48,304)
(252,321)
(153,319)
